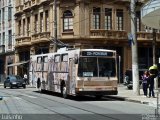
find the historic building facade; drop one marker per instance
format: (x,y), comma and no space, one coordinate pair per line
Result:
(6,37)
(82,24)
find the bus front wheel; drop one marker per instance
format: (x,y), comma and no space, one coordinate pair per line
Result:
(64,91)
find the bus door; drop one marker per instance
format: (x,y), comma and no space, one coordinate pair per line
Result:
(72,76)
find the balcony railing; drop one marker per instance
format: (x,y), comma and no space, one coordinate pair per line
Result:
(147,36)
(23,41)
(109,34)
(34,3)
(43,1)
(19,8)
(27,5)
(40,37)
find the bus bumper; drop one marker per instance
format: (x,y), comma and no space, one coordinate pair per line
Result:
(97,93)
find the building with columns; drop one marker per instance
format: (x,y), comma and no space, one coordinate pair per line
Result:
(7,38)
(81,24)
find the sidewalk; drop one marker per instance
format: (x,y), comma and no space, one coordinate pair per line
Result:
(128,95)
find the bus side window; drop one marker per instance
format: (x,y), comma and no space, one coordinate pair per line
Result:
(45,63)
(57,63)
(64,63)
(39,64)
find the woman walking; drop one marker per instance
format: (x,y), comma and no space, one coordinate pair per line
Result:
(145,82)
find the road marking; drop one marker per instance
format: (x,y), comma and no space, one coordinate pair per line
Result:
(29,96)
(18,98)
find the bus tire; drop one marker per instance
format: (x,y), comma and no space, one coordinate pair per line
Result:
(64,92)
(63,89)
(98,96)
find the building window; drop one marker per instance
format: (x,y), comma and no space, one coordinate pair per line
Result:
(119,13)
(24,27)
(0,39)
(36,24)
(108,18)
(0,16)
(9,39)
(47,21)
(67,21)
(9,13)
(9,1)
(3,42)
(19,28)
(96,18)
(3,14)
(28,26)
(138,17)
(41,22)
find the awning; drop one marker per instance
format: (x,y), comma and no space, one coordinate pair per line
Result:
(17,64)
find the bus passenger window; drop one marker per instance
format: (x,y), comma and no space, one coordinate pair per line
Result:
(45,63)
(64,63)
(39,64)
(57,63)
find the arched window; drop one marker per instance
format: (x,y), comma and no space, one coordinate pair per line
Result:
(67,21)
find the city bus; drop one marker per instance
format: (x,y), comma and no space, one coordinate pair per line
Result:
(76,72)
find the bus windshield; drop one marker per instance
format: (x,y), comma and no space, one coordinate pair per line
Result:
(96,67)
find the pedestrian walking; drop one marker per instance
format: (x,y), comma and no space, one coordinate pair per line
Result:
(153,71)
(151,86)
(145,82)
(25,78)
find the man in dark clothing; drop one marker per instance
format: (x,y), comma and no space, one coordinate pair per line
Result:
(151,86)
(153,71)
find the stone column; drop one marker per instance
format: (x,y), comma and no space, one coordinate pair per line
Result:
(39,22)
(32,23)
(114,19)
(16,60)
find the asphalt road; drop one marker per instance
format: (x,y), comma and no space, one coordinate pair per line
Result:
(29,104)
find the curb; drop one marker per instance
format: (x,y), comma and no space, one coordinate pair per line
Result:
(127,99)
(117,98)
(29,86)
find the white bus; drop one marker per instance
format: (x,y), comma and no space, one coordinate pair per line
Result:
(76,72)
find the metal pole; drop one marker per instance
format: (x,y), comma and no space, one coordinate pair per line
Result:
(135,73)
(154,55)
(55,25)
(154,47)
(119,68)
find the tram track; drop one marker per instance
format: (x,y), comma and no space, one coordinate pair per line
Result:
(58,102)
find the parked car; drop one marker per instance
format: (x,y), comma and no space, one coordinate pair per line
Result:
(14,81)
(128,78)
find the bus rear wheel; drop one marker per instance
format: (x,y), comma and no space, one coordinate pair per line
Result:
(98,96)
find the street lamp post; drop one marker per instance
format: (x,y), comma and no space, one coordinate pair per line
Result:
(135,73)
(55,25)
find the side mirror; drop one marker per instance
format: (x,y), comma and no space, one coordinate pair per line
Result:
(76,61)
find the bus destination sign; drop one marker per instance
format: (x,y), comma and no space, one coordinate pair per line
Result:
(96,53)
